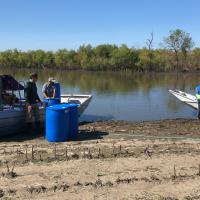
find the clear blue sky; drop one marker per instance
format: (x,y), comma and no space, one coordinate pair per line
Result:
(54,24)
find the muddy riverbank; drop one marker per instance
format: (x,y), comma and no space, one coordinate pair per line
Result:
(109,160)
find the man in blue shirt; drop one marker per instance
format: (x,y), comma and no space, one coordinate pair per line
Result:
(198,99)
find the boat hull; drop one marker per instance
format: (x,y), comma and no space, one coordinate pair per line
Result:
(14,120)
(186,98)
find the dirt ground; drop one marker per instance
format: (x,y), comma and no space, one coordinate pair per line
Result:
(108,160)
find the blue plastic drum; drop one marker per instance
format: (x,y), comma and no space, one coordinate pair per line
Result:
(57,86)
(73,119)
(57,123)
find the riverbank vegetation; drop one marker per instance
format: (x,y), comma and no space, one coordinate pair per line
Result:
(176,54)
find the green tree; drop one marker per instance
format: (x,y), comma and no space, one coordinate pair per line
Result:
(124,58)
(195,59)
(104,50)
(85,53)
(179,41)
(8,58)
(61,57)
(38,58)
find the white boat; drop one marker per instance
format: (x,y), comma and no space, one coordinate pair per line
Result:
(186,98)
(81,99)
(13,118)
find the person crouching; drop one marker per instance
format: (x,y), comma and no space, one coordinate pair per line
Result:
(49,89)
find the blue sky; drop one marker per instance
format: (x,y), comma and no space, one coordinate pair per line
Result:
(54,24)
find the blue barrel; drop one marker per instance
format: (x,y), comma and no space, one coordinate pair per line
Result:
(57,123)
(51,101)
(73,119)
(57,85)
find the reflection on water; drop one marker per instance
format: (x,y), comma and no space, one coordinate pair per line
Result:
(124,95)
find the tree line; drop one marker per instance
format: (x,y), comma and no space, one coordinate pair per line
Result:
(177,53)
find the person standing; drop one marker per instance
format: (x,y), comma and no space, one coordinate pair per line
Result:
(1,91)
(32,100)
(49,89)
(198,99)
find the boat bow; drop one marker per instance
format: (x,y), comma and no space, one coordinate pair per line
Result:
(186,98)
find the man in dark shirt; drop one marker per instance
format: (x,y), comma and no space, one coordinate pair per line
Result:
(49,89)
(32,100)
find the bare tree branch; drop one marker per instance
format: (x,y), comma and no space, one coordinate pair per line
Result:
(149,42)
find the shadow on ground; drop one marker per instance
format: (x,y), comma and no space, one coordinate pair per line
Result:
(22,137)
(94,135)
(81,136)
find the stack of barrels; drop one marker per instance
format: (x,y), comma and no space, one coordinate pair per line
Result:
(61,119)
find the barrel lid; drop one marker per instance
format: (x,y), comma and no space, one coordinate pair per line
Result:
(71,106)
(63,106)
(58,107)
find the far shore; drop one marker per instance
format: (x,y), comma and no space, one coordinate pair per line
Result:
(79,69)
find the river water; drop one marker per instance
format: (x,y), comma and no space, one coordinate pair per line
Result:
(123,95)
